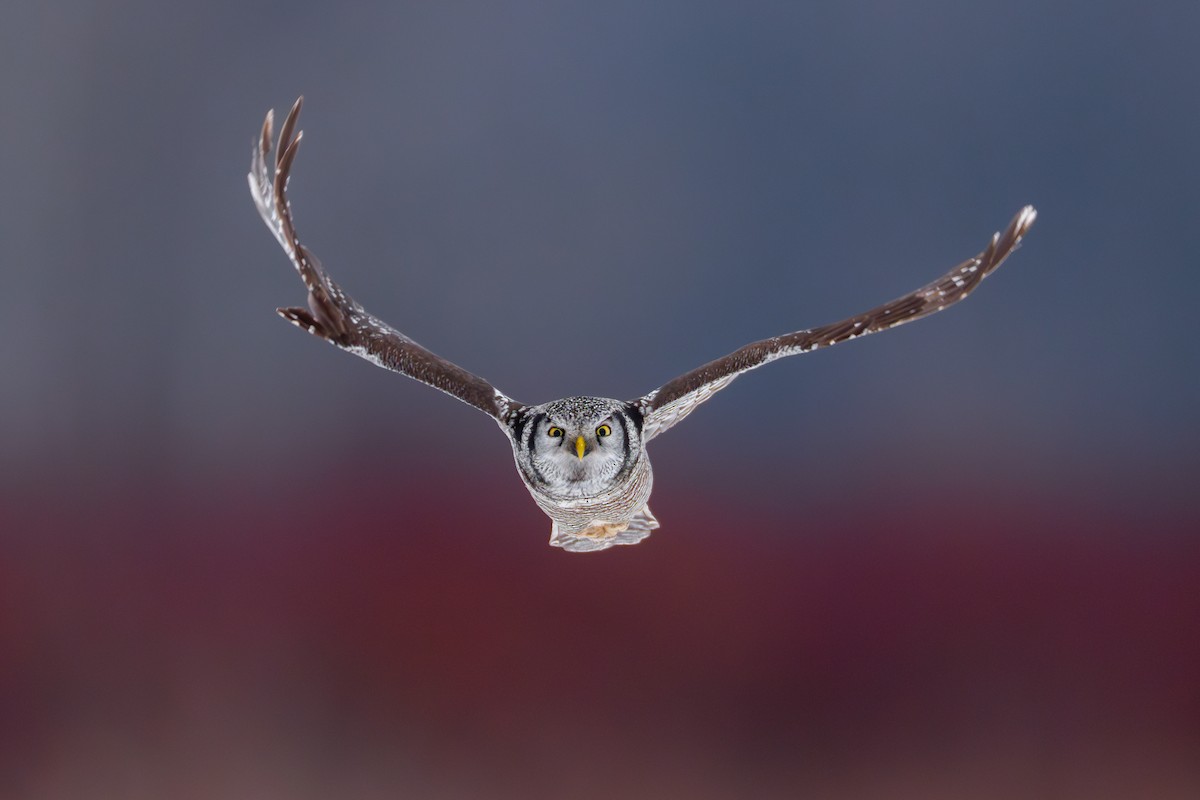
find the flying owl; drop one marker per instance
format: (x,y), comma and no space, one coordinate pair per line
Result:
(583,459)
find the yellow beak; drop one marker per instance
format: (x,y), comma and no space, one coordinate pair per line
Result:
(580,447)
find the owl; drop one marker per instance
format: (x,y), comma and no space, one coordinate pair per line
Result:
(583,459)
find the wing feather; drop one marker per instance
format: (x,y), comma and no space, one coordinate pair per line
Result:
(332,314)
(674,400)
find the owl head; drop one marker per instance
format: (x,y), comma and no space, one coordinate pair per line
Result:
(579,443)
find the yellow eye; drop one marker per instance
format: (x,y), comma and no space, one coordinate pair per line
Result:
(603,431)
(555,432)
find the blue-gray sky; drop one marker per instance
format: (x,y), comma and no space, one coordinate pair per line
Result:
(592,198)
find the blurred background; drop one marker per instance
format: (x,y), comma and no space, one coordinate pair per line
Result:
(961,559)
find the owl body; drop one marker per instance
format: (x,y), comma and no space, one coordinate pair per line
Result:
(584,462)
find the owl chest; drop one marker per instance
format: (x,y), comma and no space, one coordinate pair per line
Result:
(616,502)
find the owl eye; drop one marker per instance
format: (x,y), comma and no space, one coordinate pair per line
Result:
(555,432)
(603,431)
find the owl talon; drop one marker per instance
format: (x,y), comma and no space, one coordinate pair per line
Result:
(603,530)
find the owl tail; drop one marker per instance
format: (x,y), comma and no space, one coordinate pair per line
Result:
(604,536)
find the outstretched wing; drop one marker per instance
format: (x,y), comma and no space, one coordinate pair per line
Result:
(673,401)
(332,314)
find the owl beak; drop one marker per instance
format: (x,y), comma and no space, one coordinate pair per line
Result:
(580,447)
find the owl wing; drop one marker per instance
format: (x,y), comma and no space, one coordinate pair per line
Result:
(673,401)
(332,314)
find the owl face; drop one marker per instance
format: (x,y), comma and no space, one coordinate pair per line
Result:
(581,444)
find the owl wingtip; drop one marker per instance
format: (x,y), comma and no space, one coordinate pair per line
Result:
(1025,219)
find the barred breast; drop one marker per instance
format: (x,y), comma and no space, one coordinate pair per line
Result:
(615,505)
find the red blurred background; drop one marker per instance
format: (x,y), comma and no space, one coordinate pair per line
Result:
(363,637)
